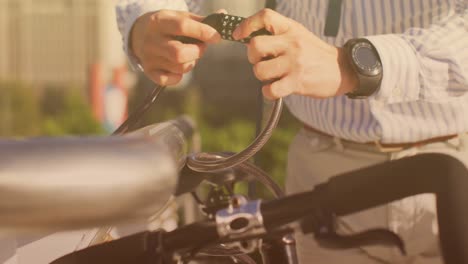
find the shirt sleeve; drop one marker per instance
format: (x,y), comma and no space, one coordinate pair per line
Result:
(128,11)
(425,64)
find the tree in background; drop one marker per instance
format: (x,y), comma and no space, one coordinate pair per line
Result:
(19,111)
(67,113)
(26,112)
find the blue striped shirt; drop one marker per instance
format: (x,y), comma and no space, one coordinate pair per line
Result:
(423,45)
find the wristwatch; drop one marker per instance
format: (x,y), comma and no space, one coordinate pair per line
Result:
(365,62)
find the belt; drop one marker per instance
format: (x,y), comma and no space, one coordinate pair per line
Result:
(386,147)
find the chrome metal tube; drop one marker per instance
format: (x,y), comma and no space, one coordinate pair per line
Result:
(70,183)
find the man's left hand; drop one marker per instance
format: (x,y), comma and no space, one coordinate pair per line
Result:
(293,60)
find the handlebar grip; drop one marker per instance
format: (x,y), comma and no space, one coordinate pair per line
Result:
(191,236)
(144,247)
(138,248)
(442,175)
(387,182)
(363,189)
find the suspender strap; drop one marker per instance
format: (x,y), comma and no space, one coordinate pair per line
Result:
(270,4)
(332,24)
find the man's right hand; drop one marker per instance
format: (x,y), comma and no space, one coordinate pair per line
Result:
(163,58)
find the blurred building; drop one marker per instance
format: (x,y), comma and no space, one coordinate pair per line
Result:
(57,42)
(54,42)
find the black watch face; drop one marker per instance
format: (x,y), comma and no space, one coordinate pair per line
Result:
(366,59)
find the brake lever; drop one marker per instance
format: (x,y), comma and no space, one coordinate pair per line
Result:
(225,25)
(323,226)
(373,237)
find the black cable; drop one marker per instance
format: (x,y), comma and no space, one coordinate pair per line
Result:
(366,188)
(136,116)
(252,192)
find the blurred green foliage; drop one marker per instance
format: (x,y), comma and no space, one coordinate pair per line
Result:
(53,111)
(19,115)
(67,113)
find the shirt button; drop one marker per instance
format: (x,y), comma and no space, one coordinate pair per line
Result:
(379,104)
(397,91)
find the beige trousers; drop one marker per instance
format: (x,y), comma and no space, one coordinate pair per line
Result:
(314,158)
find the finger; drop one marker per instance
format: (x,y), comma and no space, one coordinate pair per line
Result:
(178,52)
(163,77)
(272,69)
(177,68)
(278,89)
(262,47)
(266,18)
(188,26)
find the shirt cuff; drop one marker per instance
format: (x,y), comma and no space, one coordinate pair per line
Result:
(130,12)
(400,81)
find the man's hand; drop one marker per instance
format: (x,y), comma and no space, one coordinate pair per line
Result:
(163,58)
(294,60)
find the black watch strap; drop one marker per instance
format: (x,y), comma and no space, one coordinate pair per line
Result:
(367,87)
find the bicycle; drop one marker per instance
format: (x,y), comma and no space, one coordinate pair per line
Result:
(26,198)
(244,221)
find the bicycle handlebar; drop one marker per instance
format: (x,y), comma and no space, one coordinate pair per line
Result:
(363,189)
(348,193)
(69,183)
